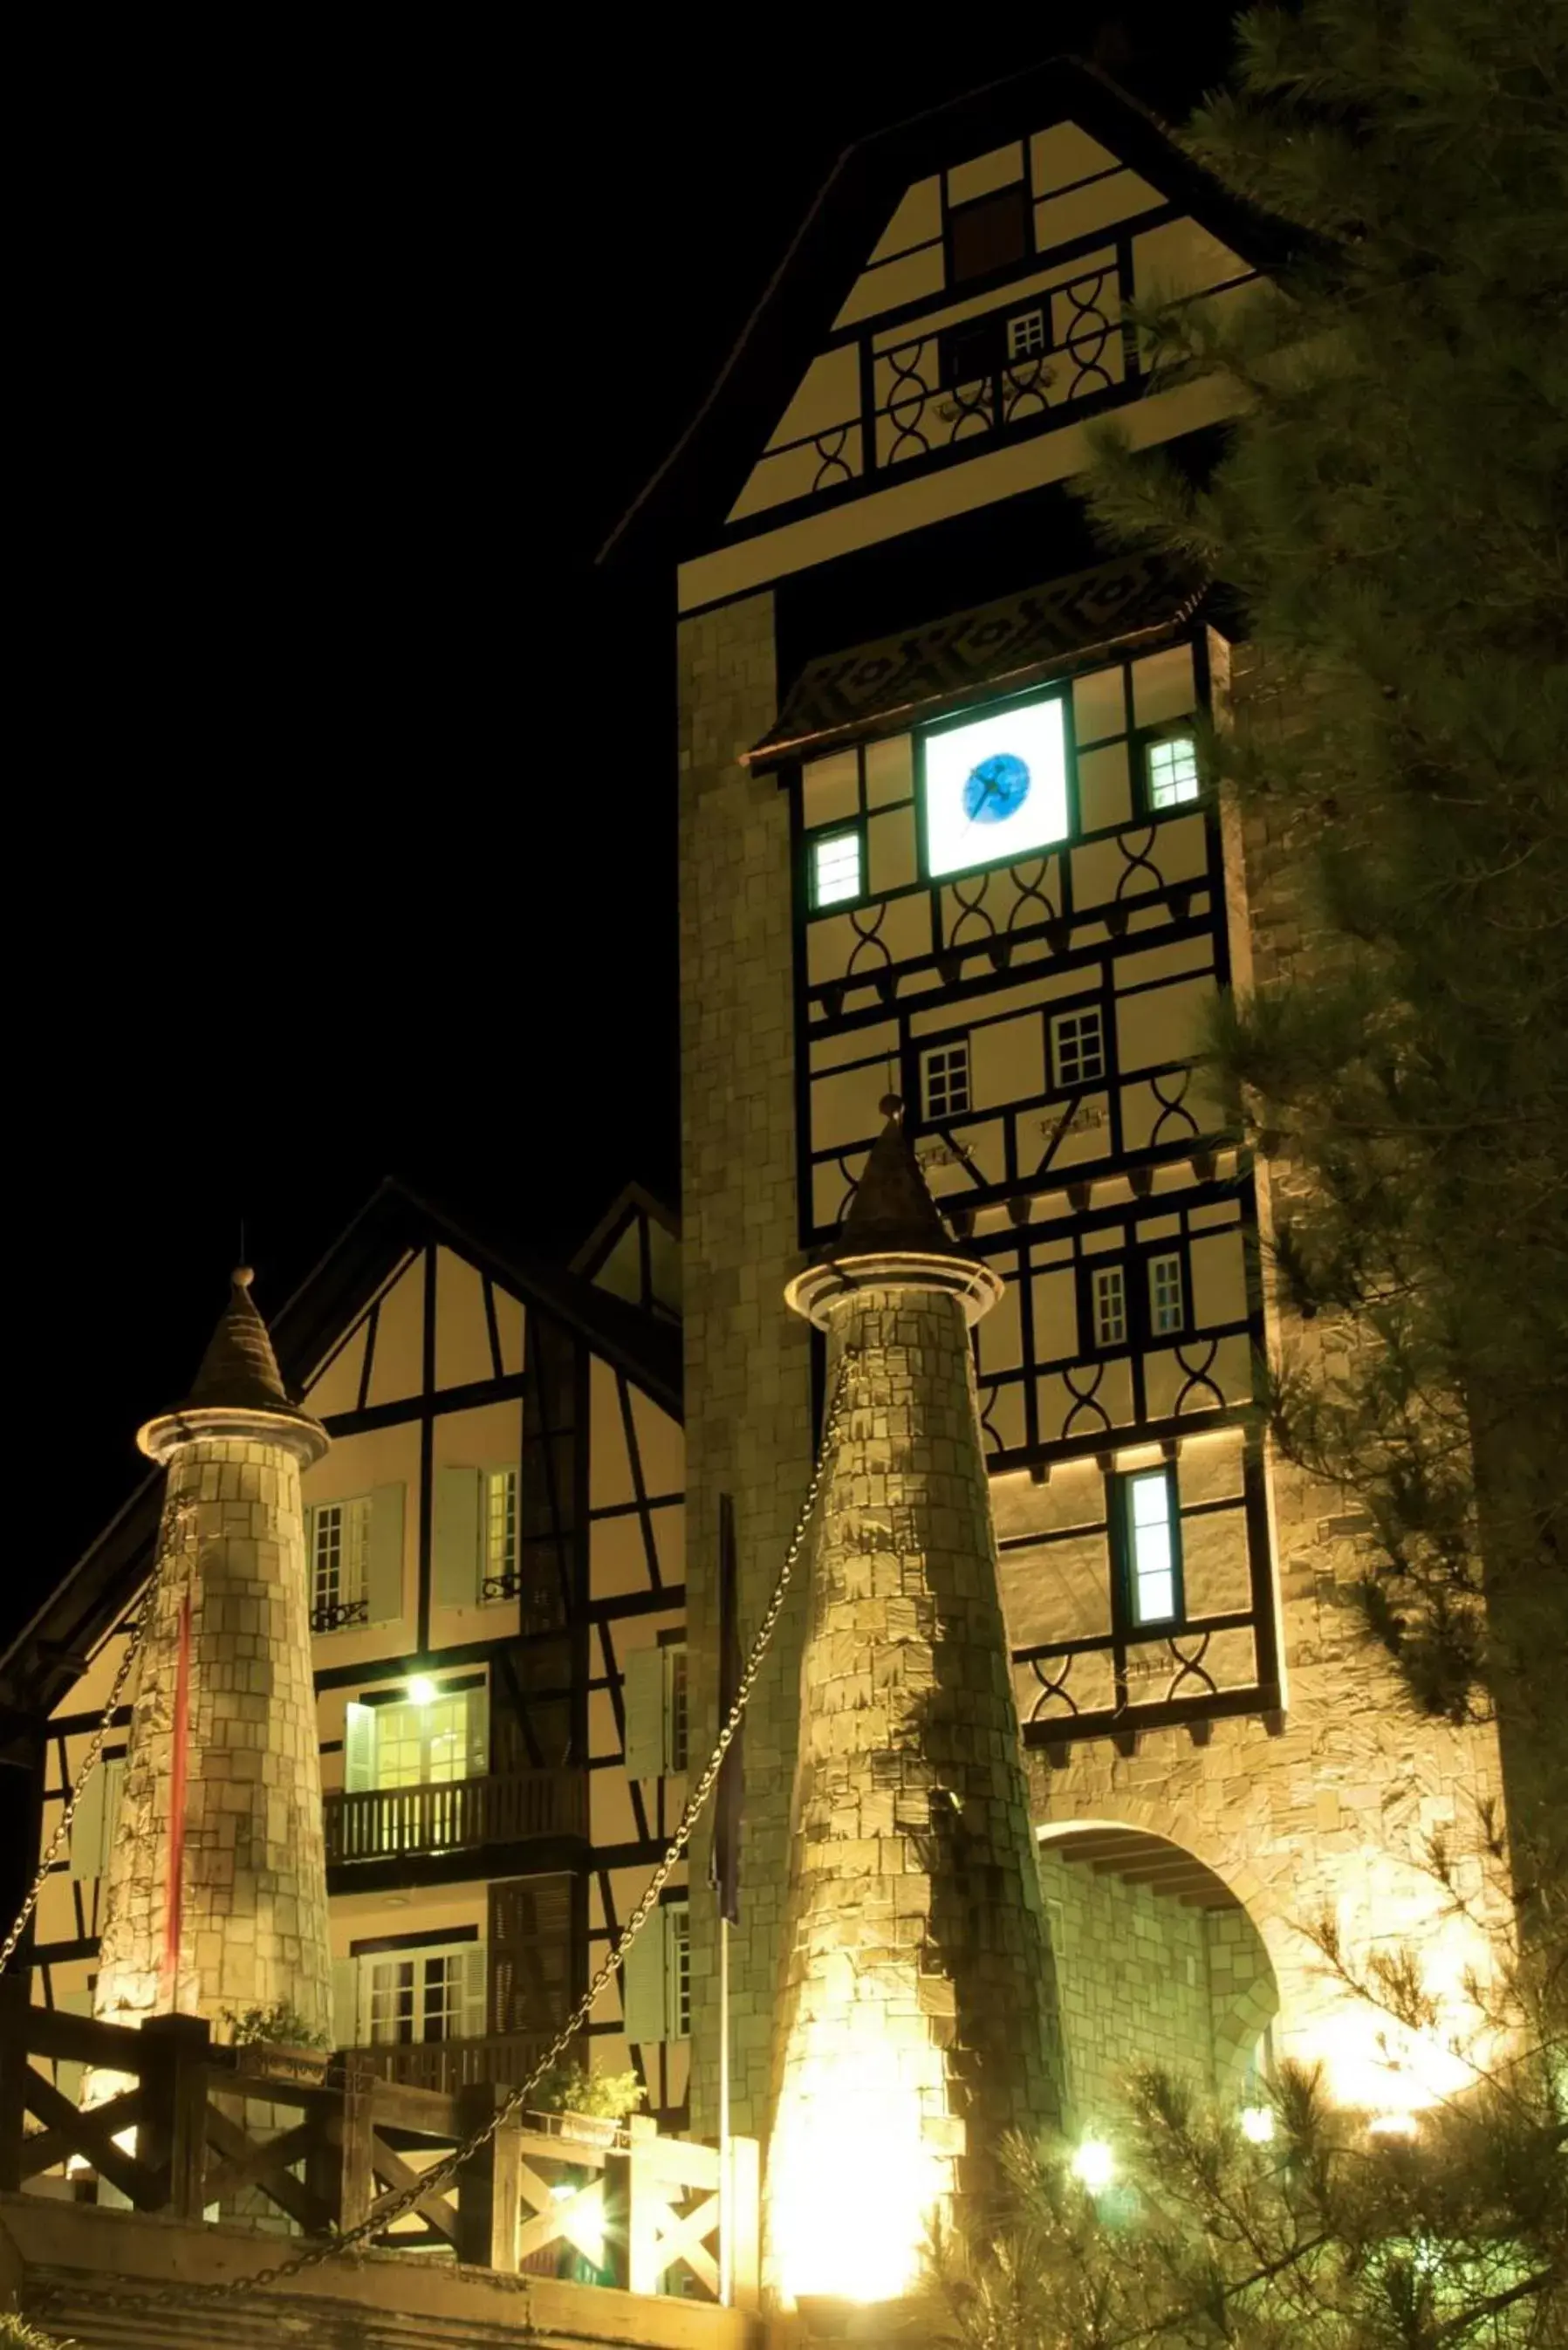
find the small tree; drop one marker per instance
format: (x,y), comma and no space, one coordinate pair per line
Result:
(1391,510)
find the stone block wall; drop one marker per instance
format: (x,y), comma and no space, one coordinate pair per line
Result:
(916,2021)
(255,1879)
(749,1427)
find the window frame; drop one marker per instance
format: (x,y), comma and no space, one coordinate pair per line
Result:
(1061,1084)
(1156,1257)
(959,1045)
(1108,1271)
(826,837)
(350,1604)
(1153,739)
(1120,1515)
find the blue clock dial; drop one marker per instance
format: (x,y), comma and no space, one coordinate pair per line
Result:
(996,788)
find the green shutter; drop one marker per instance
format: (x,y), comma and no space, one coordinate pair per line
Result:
(346,2003)
(455,1579)
(360,1747)
(69,2070)
(642,1984)
(88,1843)
(384,1565)
(475,2021)
(643,1696)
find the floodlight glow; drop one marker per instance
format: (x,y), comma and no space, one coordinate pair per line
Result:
(422,1690)
(1257,2124)
(1392,2124)
(1094,2165)
(996,788)
(852,2182)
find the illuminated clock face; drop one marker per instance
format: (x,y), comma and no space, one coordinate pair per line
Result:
(996,788)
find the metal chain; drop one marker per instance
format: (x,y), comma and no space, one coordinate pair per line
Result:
(175,1518)
(441,2173)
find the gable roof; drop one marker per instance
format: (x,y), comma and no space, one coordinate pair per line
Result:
(691,494)
(52,1650)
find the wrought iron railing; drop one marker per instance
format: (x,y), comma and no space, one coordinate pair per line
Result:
(513,1807)
(331,1615)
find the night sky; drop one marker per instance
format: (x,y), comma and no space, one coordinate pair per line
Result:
(348,822)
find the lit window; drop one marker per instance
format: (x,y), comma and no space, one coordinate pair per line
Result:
(422,1745)
(1110,1298)
(339,1561)
(1151,1547)
(1025,334)
(417,1995)
(996,788)
(1172,771)
(1166,1300)
(836,868)
(1078,1048)
(500,1535)
(944,1080)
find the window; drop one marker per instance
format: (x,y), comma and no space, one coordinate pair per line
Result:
(836,868)
(426,1993)
(675,1733)
(1172,771)
(500,1535)
(1027,333)
(1078,1048)
(421,1741)
(971,352)
(1110,1303)
(340,1564)
(677,1935)
(988,234)
(944,1080)
(1153,1557)
(1167,1297)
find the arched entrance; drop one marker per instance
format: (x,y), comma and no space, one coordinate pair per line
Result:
(1157,1963)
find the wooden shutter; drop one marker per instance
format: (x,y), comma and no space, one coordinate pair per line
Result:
(384,1564)
(455,1579)
(360,1747)
(478,1722)
(88,1827)
(642,1984)
(532,1974)
(475,2022)
(346,2003)
(643,1694)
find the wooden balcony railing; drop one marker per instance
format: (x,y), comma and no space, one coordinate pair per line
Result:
(375,1823)
(503,2057)
(195,2127)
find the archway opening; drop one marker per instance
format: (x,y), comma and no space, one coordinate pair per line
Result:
(1157,1964)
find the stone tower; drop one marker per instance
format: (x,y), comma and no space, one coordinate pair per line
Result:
(217,1884)
(912,2027)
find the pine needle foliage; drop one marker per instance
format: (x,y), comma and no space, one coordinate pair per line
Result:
(1390,510)
(1328,2236)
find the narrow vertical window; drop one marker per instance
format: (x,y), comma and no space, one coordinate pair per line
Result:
(340,1564)
(1172,771)
(944,1080)
(1153,1561)
(675,1715)
(836,868)
(1110,1303)
(678,1970)
(500,1535)
(1078,1048)
(1167,1297)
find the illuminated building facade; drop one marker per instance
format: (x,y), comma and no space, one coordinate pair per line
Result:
(486,1563)
(946,833)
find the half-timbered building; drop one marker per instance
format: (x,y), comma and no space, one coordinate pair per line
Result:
(946,833)
(494,1543)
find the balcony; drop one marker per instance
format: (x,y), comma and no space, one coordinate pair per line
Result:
(449,2066)
(519,1807)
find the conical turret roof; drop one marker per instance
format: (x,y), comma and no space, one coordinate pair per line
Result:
(892,1209)
(239,1367)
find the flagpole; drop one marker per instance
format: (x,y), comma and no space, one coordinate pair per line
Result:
(726,2254)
